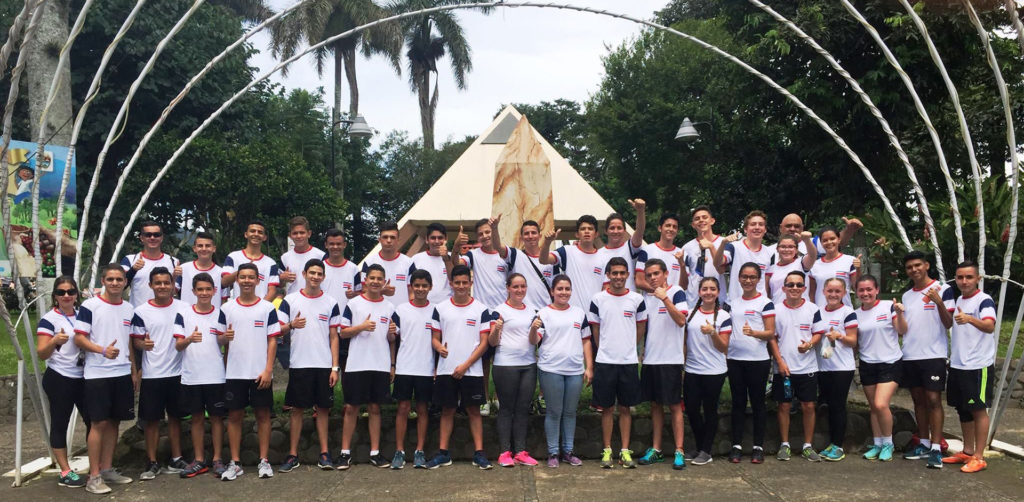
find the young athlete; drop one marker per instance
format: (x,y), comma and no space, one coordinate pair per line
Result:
(313,370)
(708,331)
(699,253)
(341,281)
(160,391)
(63,380)
(395,264)
(621,243)
(515,372)
(204,248)
(202,372)
(580,261)
(787,259)
(798,329)
(367,322)
(437,261)
(880,323)
(538,276)
(929,312)
(414,366)
(268,278)
(295,259)
(102,330)
(617,320)
(248,325)
(137,266)
(748,360)
(562,335)
(665,250)
(463,324)
(972,366)
(836,363)
(832,264)
(730,257)
(661,377)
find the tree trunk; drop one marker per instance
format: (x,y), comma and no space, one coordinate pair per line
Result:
(41,63)
(353,86)
(426,114)
(338,180)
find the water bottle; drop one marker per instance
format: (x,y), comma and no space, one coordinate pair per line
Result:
(787,388)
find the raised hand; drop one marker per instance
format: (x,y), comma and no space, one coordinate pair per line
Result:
(493,222)
(537,323)
(499,323)
(832,334)
(638,205)
(369,324)
(388,290)
(177,270)
(804,346)
(707,328)
(933,295)
(806,235)
(139,263)
(110,351)
(460,239)
(852,222)
(298,322)
(704,244)
(286,275)
(60,338)
(660,293)
(443,250)
(551,234)
(680,256)
(858,261)
(960,317)
(733,237)
(196,336)
(898,307)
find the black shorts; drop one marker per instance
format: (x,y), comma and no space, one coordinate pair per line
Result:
(662,383)
(242,392)
(408,387)
(876,373)
(309,387)
(927,373)
(970,390)
(366,387)
(111,398)
(159,395)
(450,392)
(204,398)
(805,387)
(616,382)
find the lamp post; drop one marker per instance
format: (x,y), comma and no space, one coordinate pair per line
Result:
(357,128)
(688,130)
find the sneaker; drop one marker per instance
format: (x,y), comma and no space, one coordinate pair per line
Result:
(439,460)
(651,456)
(606,458)
(218,467)
(175,466)
(917,453)
(835,454)
(290,462)
(398,462)
(934,459)
(570,458)
(419,460)
(265,469)
(506,460)
(735,455)
(702,458)
(974,465)
(872,453)
(524,458)
(626,459)
(827,451)
(886,454)
(811,455)
(784,453)
(231,472)
(194,469)
(552,460)
(71,480)
(757,456)
(96,485)
(113,476)
(679,461)
(344,461)
(690,456)
(542,406)
(378,460)
(325,462)
(151,471)
(957,458)
(480,459)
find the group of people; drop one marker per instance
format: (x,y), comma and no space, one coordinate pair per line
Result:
(638,322)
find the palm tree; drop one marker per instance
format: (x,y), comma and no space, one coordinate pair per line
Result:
(251,11)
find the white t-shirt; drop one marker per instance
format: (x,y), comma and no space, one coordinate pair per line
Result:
(665,340)
(368,350)
(514,348)
(702,358)
(842,356)
(926,336)
(311,345)
(654,250)
(701,264)
(490,271)
(560,350)
(777,279)
(617,316)
(397,271)
(753,311)
(793,326)
(294,261)
(188,271)
(585,270)
(737,254)
(338,280)
(461,327)
(537,296)
(440,288)
(64,359)
(201,363)
(973,349)
(139,281)
(627,252)
(158,322)
(840,268)
(877,340)
(105,323)
(801,248)
(254,324)
(265,265)
(415,339)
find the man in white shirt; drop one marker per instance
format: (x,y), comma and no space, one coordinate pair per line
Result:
(137,266)
(437,261)
(295,259)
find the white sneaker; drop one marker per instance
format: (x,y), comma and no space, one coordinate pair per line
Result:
(265,470)
(485,410)
(232,471)
(114,477)
(96,485)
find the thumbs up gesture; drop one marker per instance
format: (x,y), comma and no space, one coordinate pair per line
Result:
(444,350)
(660,293)
(388,290)
(707,328)
(177,270)
(551,234)
(747,330)
(286,275)
(229,333)
(857,262)
(899,307)
(960,317)
(933,295)
(832,334)
(298,322)
(196,336)
(369,324)
(680,256)
(499,323)
(147,343)
(460,239)
(60,338)
(110,351)
(139,263)
(639,205)
(392,330)
(804,346)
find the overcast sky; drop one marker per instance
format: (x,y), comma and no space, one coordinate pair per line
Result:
(523,55)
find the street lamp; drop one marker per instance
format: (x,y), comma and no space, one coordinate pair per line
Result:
(688,130)
(357,128)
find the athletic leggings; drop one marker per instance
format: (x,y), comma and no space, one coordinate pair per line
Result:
(562,394)
(64,394)
(748,379)
(700,397)
(834,388)
(515,386)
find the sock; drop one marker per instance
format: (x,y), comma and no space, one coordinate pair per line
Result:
(785,443)
(444,452)
(886,440)
(927,443)
(758,448)
(807,445)
(878,441)
(65,473)
(936,447)
(737,446)
(374,452)
(346,452)
(656,449)
(175,459)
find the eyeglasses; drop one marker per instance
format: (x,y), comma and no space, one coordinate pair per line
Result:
(794,284)
(65,292)
(152,234)
(749,277)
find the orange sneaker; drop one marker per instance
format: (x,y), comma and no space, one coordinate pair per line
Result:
(974,465)
(957,458)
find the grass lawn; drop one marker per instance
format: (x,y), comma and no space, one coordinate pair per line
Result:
(8,359)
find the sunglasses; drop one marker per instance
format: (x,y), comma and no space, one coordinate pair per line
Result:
(152,234)
(65,292)
(794,284)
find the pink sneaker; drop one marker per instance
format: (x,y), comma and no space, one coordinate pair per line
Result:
(553,461)
(506,460)
(524,458)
